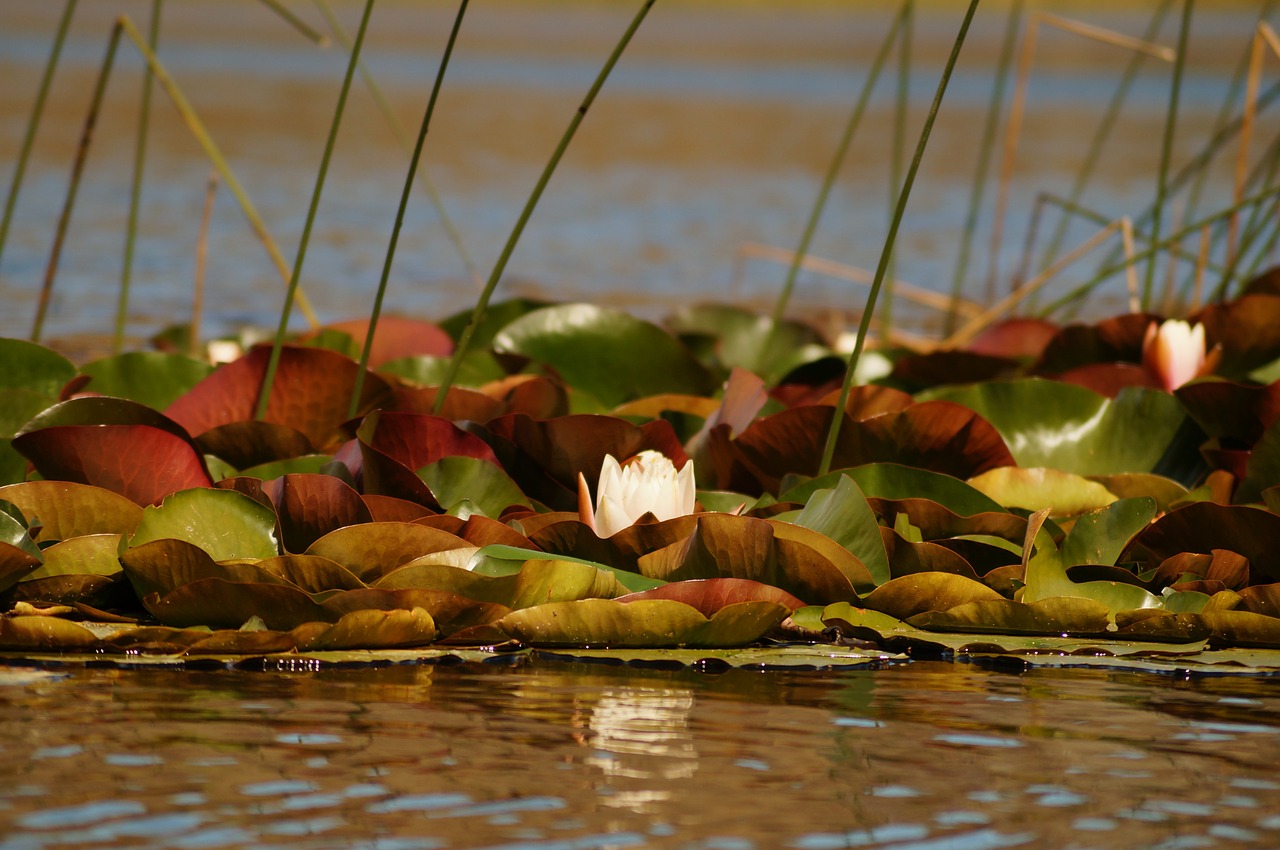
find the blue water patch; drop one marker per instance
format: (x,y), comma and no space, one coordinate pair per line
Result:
(418,803)
(496,807)
(859,838)
(977,740)
(130,760)
(276,788)
(308,739)
(81,815)
(752,764)
(984,839)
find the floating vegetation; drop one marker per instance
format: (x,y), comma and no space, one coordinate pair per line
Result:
(722,487)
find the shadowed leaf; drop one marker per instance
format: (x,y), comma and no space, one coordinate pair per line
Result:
(152,378)
(65,509)
(310,506)
(373,549)
(644,623)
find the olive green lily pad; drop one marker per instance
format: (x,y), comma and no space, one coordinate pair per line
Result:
(90,554)
(751,657)
(32,378)
(1046,576)
(1032,489)
(312,573)
(917,593)
(644,623)
(224,523)
(373,549)
(371,629)
(609,354)
(499,559)
(1100,536)
(1242,628)
(34,633)
(537,582)
(65,509)
(1059,616)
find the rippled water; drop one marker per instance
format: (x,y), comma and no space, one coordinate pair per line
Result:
(561,756)
(713,131)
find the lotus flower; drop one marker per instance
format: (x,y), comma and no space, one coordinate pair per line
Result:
(646,484)
(1173,353)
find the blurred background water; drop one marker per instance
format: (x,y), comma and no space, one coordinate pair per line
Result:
(713,132)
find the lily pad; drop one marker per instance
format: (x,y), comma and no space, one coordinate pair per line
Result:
(917,593)
(895,481)
(481,487)
(371,629)
(843,514)
(64,509)
(1032,489)
(644,623)
(537,581)
(88,554)
(152,378)
(224,523)
(373,549)
(609,354)
(1075,430)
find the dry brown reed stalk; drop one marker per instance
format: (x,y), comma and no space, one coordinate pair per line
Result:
(843,271)
(979,323)
(1130,271)
(1265,36)
(1013,129)
(202,254)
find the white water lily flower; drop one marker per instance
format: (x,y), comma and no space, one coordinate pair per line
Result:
(1173,353)
(647,483)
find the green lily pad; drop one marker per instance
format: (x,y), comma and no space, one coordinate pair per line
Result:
(502,560)
(645,623)
(1132,485)
(478,367)
(749,340)
(224,523)
(32,378)
(1046,576)
(895,481)
(609,354)
(152,378)
(479,485)
(843,514)
(1100,536)
(1072,429)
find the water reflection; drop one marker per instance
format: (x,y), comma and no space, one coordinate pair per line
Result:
(927,755)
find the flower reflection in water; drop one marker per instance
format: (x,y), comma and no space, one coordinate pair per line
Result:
(641,733)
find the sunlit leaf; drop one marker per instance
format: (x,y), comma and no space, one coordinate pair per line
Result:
(1033,489)
(223,523)
(644,623)
(611,355)
(152,378)
(842,513)
(484,485)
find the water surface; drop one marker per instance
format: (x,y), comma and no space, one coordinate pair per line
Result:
(923,756)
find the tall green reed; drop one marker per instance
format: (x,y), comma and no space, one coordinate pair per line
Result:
(286,310)
(135,191)
(358,388)
(868,310)
(33,122)
(77,171)
(482,304)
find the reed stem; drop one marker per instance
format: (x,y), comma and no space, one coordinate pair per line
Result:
(77,171)
(1166,145)
(33,122)
(202,254)
(402,138)
(838,414)
(277,346)
(482,304)
(985,147)
(135,193)
(1103,132)
(404,203)
(829,179)
(297,23)
(899,143)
